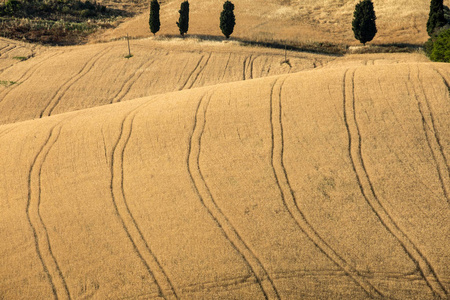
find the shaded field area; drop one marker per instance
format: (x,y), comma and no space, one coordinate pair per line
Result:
(326,183)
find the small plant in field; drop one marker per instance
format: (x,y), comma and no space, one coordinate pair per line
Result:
(128,56)
(7,83)
(183,21)
(363,24)
(227,19)
(154,21)
(21,58)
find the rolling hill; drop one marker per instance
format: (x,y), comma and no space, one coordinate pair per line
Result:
(287,20)
(326,183)
(208,169)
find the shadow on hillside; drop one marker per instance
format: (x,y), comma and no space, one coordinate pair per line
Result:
(312,47)
(386,48)
(323,48)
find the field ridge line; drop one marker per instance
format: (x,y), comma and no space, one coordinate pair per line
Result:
(369,194)
(126,218)
(290,201)
(60,92)
(207,200)
(40,233)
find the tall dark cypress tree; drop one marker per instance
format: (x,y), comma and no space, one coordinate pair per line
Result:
(227,19)
(183,21)
(436,17)
(363,24)
(154,17)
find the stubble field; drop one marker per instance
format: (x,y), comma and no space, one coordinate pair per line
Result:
(202,169)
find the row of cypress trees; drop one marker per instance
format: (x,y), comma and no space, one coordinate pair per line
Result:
(227,18)
(363,24)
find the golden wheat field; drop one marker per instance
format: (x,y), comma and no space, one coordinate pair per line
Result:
(205,169)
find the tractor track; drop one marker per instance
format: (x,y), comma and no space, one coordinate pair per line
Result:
(439,157)
(195,73)
(41,237)
(206,198)
(57,96)
(365,184)
(26,75)
(125,216)
(290,201)
(128,84)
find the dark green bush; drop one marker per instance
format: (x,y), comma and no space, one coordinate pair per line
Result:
(13,7)
(154,22)
(227,19)
(363,24)
(441,47)
(54,9)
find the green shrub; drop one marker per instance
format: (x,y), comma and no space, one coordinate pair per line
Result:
(12,7)
(428,47)
(441,47)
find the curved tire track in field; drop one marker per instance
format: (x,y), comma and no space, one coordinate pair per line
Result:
(290,201)
(40,233)
(195,72)
(26,75)
(10,47)
(365,184)
(238,282)
(126,218)
(226,66)
(244,67)
(439,157)
(444,79)
(252,60)
(206,198)
(47,111)
(128,84)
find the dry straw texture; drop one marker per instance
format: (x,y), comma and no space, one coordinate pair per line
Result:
(203,170)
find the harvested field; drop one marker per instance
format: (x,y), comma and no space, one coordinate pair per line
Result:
(327,183)
(200,168)
(64,79)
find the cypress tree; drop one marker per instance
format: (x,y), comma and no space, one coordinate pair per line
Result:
(154,17)
(363,24)
(227,19)
(183,21)
(436,18)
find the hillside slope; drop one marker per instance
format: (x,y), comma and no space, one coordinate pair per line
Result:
(62,79)
(331,183)
(398,21)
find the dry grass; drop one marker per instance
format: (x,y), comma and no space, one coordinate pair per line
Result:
(200,168)
(295,21)
(210,190)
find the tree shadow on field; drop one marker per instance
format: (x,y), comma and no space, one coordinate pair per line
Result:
(311,47)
